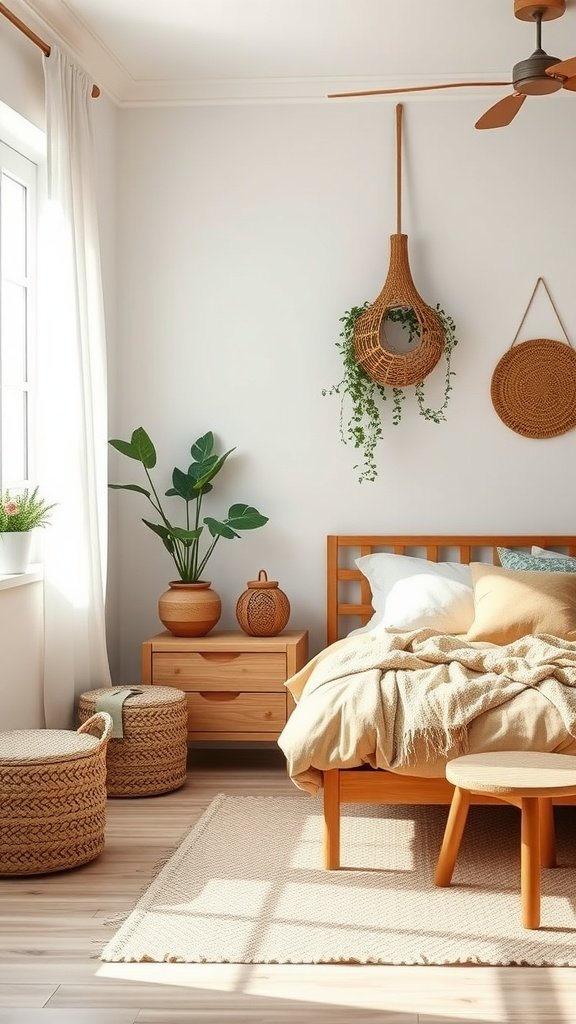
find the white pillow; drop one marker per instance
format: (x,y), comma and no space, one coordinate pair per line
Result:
(383,571)
(543,553)
(432,602)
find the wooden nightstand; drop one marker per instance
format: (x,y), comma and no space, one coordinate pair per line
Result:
(234,683)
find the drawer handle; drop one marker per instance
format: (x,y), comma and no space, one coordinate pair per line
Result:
(216,695)
(219,656)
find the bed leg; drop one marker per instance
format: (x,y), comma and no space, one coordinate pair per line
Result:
(331,782)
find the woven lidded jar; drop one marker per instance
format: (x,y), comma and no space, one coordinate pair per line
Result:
(150,758)
(263,609)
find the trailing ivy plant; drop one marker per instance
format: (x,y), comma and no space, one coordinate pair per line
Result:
(360,394)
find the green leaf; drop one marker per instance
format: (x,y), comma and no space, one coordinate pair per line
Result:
(142,445)
(162,532)
(218,529)
(187,536)
(213,470)
(245,517)
(183,485)
(130,487)
(199,469)
(125,448)
(202,448)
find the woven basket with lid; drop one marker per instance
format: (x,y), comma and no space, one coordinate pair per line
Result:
(52,797)
(151,757)
(263,609)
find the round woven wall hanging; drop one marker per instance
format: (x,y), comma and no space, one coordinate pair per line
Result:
(533,387)
(383,365)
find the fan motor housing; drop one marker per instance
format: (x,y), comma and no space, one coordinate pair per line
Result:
(526,10)
(530,78)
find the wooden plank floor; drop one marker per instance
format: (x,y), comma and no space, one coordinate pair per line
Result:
(52,929)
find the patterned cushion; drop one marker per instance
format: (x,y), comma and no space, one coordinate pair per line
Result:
(518,560)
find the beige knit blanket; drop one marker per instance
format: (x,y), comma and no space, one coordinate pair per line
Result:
(410,701)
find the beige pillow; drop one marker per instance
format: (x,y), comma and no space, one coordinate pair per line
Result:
(510,603)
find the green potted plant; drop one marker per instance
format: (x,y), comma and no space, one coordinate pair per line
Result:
(20,515)
(190,607)
(361,397)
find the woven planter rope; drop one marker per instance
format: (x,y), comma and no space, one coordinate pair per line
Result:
(386,367)
(533,387)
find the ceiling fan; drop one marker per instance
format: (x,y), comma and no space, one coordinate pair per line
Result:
(536,75)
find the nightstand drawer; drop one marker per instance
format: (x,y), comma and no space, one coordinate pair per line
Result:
(220,670)
(219,712)
(234,683)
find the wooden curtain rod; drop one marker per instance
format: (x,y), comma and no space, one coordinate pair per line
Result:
(45,47)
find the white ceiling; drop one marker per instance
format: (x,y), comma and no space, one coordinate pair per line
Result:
(157,51)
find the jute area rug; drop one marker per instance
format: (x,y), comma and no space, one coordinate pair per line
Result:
(247,885)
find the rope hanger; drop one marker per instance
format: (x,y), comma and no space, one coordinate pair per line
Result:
(527,310)
(399,109)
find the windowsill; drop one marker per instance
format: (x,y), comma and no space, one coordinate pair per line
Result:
(32,575)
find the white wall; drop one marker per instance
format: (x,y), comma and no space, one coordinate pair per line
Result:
(21,653)
(21,75)
(244,233)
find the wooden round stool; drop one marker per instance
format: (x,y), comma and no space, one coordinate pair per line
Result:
(526,779)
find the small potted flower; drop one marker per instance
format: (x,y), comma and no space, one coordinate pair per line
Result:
(20,514)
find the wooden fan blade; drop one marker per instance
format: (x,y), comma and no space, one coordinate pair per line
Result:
(567,68)
(570,84)
(413,88)
(502,113)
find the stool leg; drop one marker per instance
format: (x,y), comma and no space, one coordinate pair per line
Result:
(547,833)
(530,862)
(331,781)
(452,837)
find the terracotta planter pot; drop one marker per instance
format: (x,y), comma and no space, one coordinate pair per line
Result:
(189,609)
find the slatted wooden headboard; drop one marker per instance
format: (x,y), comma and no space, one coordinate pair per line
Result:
(349,596)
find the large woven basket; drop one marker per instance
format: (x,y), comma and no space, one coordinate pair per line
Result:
(151,756)
(52,797)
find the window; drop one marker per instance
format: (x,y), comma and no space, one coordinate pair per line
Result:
(17,322)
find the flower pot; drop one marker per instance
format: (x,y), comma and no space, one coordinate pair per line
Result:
(15,549)
(189,609)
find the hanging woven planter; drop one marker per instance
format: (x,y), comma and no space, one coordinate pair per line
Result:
(533,387)
(383,364)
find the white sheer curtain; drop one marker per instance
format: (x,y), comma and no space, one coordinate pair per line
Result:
(72,420)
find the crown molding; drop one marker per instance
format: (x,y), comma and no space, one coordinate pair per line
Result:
(56,22)
(209,92)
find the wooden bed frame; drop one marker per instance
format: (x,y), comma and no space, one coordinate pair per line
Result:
(348,605)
